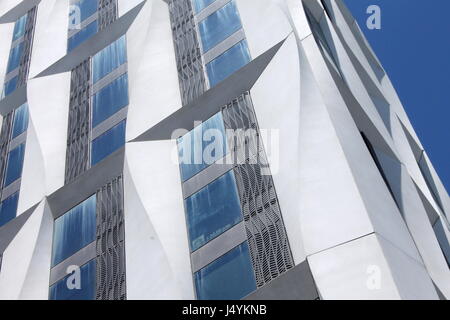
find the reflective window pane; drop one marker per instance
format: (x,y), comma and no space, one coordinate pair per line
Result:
(20,120)
(107,143)
(86,8)
(228,62)
(109,59)
(8,209)
(19,27)
(15,164)
(74,230)
(10,86)
(14,57)
(83,35)
(213,210)
(201,4)
(202,146)
(230,277)
(60,290)
(110,99)
(219,26)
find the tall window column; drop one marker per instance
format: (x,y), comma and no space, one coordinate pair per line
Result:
(97,121)
(13,133)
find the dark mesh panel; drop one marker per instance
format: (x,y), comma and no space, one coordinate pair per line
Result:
(77,156)
(4,143)
(28,45)
(269,247)
(187,50)
(107,13)
(111,242)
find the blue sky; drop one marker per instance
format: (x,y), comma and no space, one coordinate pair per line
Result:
(414,47)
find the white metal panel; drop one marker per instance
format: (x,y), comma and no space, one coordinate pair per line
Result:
(264,22)
(126,5)
(50,35)
(36,284)
(354,270)
(371,189)
(18,256)
(157,250)
(7,5)
(49,114)
(32,188)
(152,72)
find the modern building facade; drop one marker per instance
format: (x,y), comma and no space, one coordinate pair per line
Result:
(209,149)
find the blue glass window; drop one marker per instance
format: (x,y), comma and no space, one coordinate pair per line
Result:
(86,8)
(219,26)
(20,120)
(201,4)
(74,230)
(110,99)
(19,27)
(8,209)
(109,59)
(108,142)
(228,62)
(230,277)
(194,157)
(10,86)
(213,210)
(14,57)
(83,35)
(15,164)
(60,290)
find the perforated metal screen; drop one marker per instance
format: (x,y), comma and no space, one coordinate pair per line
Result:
(79,127)
(187,50)
(269,246)
(4,143)
(107,13)
(24,65)
(77,156)
(111,276)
